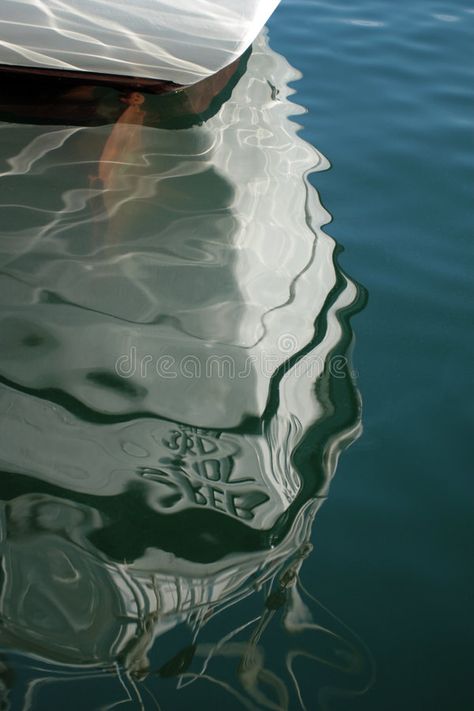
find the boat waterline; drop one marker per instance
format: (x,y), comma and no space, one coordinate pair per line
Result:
(154,39)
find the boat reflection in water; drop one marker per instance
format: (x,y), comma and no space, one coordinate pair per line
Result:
(175,393)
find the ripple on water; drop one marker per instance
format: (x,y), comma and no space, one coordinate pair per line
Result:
(175,391)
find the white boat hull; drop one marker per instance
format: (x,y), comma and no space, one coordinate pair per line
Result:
(181,42)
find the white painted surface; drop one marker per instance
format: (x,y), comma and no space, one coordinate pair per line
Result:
(183,41)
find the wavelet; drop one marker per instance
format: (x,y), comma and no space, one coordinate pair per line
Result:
(176,385)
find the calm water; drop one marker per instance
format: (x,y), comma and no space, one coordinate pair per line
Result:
(179,376)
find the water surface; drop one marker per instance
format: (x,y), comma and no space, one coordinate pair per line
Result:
(176,390)
(178,382)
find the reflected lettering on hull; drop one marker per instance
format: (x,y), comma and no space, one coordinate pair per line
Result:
(154,528)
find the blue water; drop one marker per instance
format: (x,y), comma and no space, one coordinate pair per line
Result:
(389,92)
(194,332)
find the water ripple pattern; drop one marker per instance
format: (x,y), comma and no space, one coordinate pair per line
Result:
(175,392)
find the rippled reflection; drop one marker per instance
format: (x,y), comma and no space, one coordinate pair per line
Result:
(175,393)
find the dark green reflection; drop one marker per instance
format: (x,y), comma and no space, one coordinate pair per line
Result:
(176,389)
